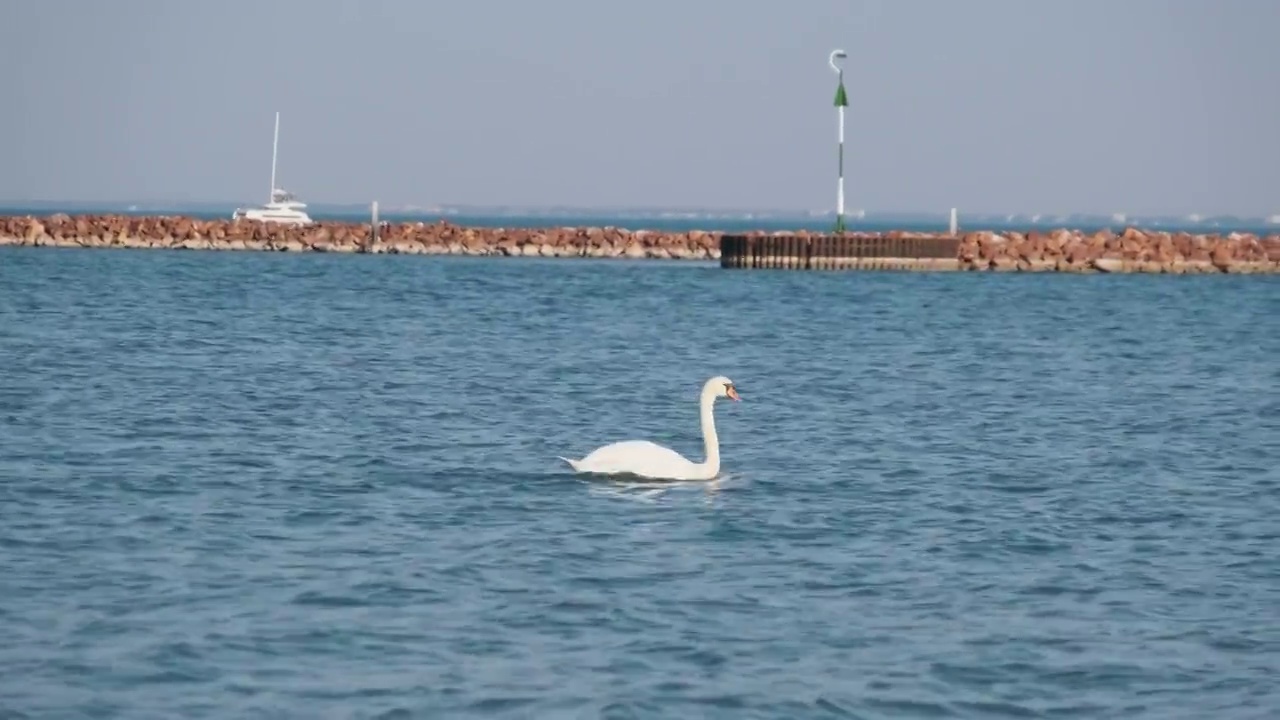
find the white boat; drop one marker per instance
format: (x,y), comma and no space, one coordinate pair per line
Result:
(282,207)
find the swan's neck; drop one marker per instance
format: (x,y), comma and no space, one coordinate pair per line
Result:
(709,437)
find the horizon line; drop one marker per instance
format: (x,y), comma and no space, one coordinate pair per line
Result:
(436,208)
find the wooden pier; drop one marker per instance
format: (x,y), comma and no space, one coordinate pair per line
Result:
(854,251)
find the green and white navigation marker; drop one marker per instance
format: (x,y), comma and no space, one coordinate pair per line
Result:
(841,102)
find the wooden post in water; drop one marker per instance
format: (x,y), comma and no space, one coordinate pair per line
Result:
(839,251)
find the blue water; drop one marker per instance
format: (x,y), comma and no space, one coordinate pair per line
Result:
(261,485)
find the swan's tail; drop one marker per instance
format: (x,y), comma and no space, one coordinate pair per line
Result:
(572,463)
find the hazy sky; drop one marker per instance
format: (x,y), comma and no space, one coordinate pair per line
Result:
(989,105)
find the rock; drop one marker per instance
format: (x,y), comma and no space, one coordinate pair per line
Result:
(991,246)
(1221,257)
(1271,248)
(1109,265)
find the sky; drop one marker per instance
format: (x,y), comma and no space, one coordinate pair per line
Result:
(1103,106)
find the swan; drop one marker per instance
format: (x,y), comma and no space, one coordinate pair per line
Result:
(653,461)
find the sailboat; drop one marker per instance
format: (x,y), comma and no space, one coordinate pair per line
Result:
(282,207)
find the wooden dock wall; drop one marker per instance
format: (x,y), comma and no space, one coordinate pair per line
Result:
(836,252)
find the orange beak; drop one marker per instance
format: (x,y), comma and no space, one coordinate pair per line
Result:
(732,392)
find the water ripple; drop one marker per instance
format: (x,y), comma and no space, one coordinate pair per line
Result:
(257,485)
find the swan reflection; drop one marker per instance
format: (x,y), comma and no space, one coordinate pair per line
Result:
(644,490)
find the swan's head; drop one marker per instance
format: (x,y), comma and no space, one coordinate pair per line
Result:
(721,386)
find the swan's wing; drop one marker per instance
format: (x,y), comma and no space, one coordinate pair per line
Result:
(633,456)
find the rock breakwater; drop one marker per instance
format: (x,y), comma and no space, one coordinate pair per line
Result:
(1060,250)
(414,238)
(1131,250)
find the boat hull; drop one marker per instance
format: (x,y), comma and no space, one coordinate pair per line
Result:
(285,217)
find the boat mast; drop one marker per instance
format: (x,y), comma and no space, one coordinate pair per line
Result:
(275,143)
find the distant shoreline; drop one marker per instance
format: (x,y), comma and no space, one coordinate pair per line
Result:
(1058,250)
(682,219)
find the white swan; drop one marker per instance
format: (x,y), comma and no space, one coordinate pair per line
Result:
(649,460)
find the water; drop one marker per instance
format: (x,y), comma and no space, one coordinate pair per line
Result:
(274,485)
(710,221)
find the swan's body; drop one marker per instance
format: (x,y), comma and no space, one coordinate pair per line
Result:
(650,460)
(643,458)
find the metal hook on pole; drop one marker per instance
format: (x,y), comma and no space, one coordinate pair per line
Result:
(836,55)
